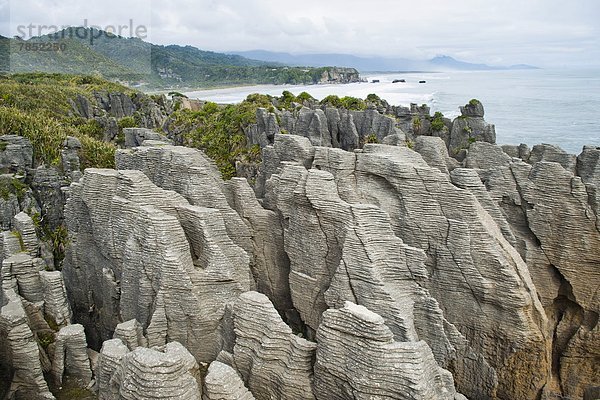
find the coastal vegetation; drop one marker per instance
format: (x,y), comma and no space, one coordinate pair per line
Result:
(143,64)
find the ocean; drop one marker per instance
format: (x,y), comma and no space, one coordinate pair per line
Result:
(559,107)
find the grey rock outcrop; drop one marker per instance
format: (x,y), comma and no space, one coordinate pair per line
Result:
(23,224)
(264,130)
(109,361)
(47,186)
(434,152)
(56,305)
(70,158)
(273,362)
(313,125)
(357,357)
(469,128)
(135,137)
(191,174)
(271,264)
(168,372)
(551,213)
(588,165)
(132,334)
(21,273)
(16,154)
(422,202)
(19,351)
(140,252)
(552,153)
(223,383)
(483,155)
(70,356)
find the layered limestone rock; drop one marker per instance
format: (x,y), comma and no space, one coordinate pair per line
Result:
(132,334)
(434,152)
(223,383)
(470,127)
(70,158)
(70,356)
(427,212)
(357,357)
(552,153)
(168,372)
(140,252)
(19,351)
(551,213)
(362,261)
(16,154)
(56,304)
(21,273)
(137,136)
(273,362)
(271,263)
(109,361)
(191,174)
(23,224)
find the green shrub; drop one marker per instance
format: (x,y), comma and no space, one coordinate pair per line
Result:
(126,122)
(218,131)
(46,134)
(91,128)
(45,338)
(353,103)
(437,123)
(304,97)
(372,138)
(373,98)
(12,186)
(96,154)
(332,100)
(474,102)
(417,124)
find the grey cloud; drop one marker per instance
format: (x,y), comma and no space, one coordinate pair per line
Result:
(514,31)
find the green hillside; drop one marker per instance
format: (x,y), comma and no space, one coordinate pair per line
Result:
(138,63)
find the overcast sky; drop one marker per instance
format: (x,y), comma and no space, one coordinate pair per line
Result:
(503,32)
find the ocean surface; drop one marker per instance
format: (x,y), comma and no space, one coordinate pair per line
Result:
(527,106)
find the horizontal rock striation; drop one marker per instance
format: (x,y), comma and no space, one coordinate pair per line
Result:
(554,218)
(357,357)
(140,252)
(159,373)
(223,383)
(273,362)
(467,263)
(19,351)
(70,356)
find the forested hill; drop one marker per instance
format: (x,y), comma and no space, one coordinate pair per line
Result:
(139,63)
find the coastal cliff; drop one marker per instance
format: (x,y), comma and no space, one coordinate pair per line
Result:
(372,251)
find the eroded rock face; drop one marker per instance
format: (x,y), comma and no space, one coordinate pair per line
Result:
(273,362)
(191,174)
(140,252)
(16,154)
(554,220)
(161,373)
(19,351)
(429,213)
(357,357)
(469,128)
(223,383)
(70,357)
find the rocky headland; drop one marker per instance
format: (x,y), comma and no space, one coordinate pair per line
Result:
(374,252)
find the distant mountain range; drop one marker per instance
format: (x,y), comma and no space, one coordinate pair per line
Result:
(370,64)
(138,63)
